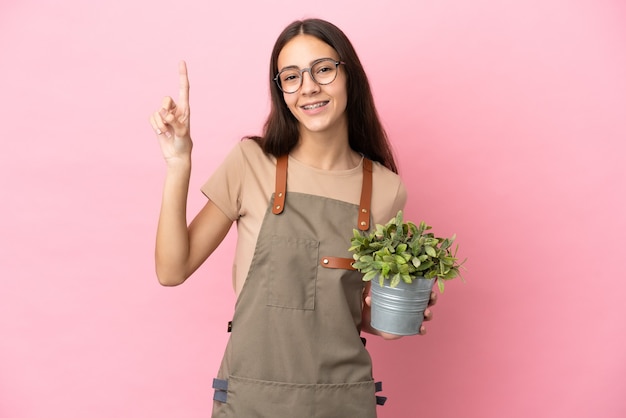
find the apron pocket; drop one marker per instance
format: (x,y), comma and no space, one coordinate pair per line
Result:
(251,398)
(293,273)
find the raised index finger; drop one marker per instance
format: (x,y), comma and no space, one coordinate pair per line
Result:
(183,93)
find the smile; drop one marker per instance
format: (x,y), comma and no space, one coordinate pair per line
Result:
(314,105)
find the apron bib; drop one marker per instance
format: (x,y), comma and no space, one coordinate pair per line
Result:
(295,348)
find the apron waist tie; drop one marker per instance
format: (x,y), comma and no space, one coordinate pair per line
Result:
(380,400)
(221,390)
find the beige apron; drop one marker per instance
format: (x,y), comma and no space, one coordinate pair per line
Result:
(295,349)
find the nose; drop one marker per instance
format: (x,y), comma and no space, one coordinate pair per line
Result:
(309,85)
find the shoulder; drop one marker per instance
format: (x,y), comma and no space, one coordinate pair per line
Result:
(247,154)
(386,180)
(245,175)
(389,193)
(251,154)
(251,148)
(254,158)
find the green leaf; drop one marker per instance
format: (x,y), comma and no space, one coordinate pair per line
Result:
(377,265)
(399,259)
(451,274)
(395,280)
(362,267)
(425,265)
(440,285)
(448,261)
(369,276)
(385,270)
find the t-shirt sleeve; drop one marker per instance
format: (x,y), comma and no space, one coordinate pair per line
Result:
(400,201)
(224,186)
(390,195)
(396,202)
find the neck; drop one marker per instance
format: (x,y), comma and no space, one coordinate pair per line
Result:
(326,153)
(327,149)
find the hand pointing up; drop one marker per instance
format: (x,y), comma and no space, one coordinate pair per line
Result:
(171,121)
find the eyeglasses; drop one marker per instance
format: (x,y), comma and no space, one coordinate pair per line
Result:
(323,71)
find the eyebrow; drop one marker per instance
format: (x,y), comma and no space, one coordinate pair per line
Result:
(315,61)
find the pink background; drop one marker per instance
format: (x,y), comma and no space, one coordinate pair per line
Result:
(508,118)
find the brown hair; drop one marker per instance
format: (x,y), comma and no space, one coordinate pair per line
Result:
(365,132)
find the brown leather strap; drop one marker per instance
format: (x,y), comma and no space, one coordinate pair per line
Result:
(281,185)
(366,196)
(337,263)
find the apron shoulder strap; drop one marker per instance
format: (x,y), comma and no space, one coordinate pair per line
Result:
(281,184)
(366,196)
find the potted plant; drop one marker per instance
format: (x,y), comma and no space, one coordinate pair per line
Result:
(406,261)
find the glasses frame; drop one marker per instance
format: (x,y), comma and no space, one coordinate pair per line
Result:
(307,70)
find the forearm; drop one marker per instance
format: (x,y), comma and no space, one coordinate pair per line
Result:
(172,240)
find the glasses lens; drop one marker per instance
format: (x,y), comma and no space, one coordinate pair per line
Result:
(324,72)
(289,80)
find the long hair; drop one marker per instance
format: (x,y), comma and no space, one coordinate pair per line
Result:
(365,132)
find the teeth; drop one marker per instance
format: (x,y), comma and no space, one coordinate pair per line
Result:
(314,106)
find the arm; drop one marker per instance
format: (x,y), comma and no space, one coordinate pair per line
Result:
(180,249)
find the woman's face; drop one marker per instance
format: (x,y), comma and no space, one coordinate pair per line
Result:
(318,108)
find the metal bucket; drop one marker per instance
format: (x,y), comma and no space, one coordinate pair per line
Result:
(400,310)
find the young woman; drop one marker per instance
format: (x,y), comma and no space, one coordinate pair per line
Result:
(322,167)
